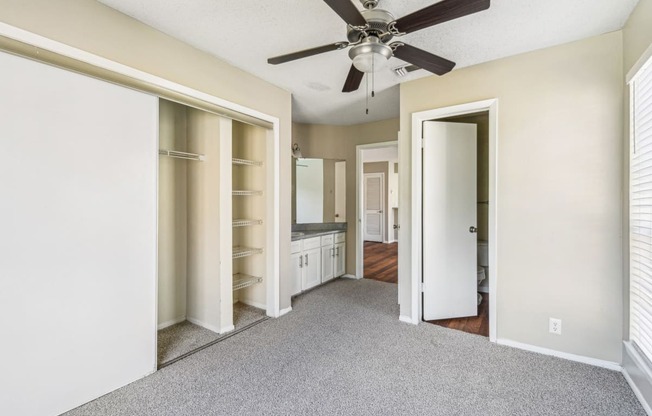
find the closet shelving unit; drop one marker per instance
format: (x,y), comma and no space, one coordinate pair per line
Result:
(248,179)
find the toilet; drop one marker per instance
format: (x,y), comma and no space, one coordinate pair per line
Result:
(483,262)
(483,267)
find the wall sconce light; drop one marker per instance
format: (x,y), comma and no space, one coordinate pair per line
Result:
(296,152)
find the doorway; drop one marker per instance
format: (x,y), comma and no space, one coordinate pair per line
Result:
(415,282)
(377,207)
(455,185)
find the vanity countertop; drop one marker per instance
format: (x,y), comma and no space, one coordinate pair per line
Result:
(300,235)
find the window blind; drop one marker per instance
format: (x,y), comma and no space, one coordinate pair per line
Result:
(640,216)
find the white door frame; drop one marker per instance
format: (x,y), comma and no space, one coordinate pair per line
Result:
(416,255)
(383,218)
(359,202)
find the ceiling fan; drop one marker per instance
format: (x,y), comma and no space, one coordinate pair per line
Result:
(370,31)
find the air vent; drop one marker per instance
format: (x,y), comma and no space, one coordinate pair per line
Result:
(402,71)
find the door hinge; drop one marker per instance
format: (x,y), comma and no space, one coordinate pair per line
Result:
(423,143)
(422,287)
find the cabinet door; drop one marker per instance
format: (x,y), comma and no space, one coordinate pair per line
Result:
(311,268)
(296,260)
(340,259)
(327,256)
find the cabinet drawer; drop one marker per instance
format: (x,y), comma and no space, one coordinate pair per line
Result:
(295,247)
(340,237)
(309,243)
(326,240)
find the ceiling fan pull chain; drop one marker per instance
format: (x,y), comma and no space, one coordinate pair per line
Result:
(367,93)
(373,93)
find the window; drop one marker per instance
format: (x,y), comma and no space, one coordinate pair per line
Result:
(640,213)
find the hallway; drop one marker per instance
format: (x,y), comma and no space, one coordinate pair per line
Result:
(381,261)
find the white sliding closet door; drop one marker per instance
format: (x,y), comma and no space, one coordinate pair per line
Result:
(78,160)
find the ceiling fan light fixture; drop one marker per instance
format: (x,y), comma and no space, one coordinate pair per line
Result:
(371,55)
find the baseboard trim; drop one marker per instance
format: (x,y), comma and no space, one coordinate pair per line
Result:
(227,329)
(284,311)
(170,323)
(254,304)
(638,374)
(610,365)
(203,324)
(406,319)
(350,276)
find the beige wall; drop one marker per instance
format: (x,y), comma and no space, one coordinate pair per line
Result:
(559,188)
(172,215)
(637,33)
(339,142)
(98,29)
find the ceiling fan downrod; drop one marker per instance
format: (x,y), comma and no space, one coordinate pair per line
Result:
(369,4)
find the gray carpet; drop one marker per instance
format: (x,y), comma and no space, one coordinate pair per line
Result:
(179,339)
(342,351)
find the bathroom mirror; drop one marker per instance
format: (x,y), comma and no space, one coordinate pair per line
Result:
(319,190)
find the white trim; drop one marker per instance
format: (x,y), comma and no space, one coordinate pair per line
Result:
(636,68)
(350,276)
(610,365)
(637,392)
(407,320)
(273,239)
(207,326)
(254,304)
(415,256)
(359,202)
(285,311)
(170,322)
(641,374)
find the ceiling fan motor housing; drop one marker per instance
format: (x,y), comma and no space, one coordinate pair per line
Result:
(378,20)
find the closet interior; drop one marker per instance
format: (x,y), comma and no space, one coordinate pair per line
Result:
(212,262)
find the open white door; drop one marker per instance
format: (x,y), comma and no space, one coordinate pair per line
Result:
(449,220)
(374,186)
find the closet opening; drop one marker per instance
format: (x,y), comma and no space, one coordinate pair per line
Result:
(213,266)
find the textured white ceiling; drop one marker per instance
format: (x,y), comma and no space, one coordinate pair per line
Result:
(247,32)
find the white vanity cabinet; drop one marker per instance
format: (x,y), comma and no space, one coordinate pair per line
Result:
(339,263)
(306,264)
(333,256)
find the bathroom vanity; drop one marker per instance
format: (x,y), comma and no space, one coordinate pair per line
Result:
(317,256)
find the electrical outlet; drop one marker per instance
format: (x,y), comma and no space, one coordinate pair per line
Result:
(555,326)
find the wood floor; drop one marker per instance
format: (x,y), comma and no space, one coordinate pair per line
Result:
(478,325)
(381,261)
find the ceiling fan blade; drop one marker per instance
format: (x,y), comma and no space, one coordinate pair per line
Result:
(426,60)
(353,80)
(347,11)
(439,13)
(306,53)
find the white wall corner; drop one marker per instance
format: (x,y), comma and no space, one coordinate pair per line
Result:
(285,311)
(407,320)
(351,276)
(609,365)
(638,372)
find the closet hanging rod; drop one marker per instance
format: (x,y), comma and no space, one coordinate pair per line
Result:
(181,155)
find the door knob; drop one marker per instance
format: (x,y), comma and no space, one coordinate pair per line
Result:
(472,229)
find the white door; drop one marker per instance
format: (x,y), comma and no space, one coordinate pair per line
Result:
(374,186)
(327,255)
(311,268)
(449,220)
(340,191)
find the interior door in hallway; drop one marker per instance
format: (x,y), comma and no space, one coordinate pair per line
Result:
(374,185)
(449,220)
